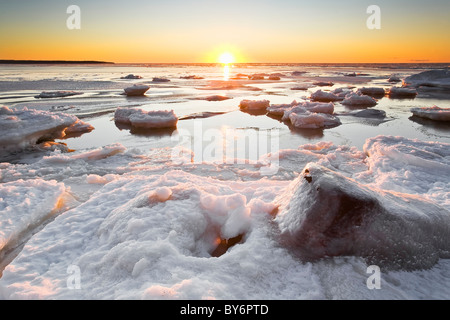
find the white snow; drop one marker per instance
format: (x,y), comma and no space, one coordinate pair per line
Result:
(433,113)
(21,128)
(136,90)
(355,99)
(140,118)
(254,104)
(313,120)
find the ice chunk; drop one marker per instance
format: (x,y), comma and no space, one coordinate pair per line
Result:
(274,77)
(22,128)
(372,91)
(311,120)
(131,76)
(328,214)
(359,100)
(323,96)
(433,113)
(191,77)
(57,94)
(323,83)
(394,78)
(137,90)
(431,78)
(146,119)
(156,79)
(401,92)
(280,109)
(254,104)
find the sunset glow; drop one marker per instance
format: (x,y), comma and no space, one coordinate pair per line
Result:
(252,31)
(226,58)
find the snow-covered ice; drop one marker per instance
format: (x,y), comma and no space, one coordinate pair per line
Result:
(433,113)
(313,120)
(372,91)
(146,119)
(131,76)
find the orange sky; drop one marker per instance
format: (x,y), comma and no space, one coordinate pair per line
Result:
(198,31)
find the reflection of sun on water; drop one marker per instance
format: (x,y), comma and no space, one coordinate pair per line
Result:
(226,59)
(226,72)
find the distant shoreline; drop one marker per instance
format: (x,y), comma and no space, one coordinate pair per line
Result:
(52,62)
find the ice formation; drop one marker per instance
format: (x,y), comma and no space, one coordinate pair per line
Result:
(136,90)
(313,120)
(254,104)
(433,113)
(146,119)
(156,79)
(22,128)
(131,76)
(57,94)
(323,96)
(401,92)
(431,78)
(372,91)
(359,100)
(326,214)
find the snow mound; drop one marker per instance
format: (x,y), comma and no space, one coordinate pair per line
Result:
(131,76)
(254,104)
(431,78)
(22,128)
(401,92)
(433,113)
(137,90)
(327,214)
(358,100)
(57,94)
(146,119)
(25,205)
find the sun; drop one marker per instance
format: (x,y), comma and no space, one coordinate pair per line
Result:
(226,58)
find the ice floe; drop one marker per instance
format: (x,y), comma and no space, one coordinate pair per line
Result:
(140,118)
(431,78)
(401,93)
(131,76)
(433,113)
(57,94)
(136,90)
(358,100)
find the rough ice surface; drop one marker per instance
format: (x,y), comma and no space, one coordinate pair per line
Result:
(146,119)
(147,231)
(254,104)
(431,78)
(136,90)
(355,99)
(433,113)
(25,205)
(22,128)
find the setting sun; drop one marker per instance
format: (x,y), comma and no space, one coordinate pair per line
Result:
(226,58)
